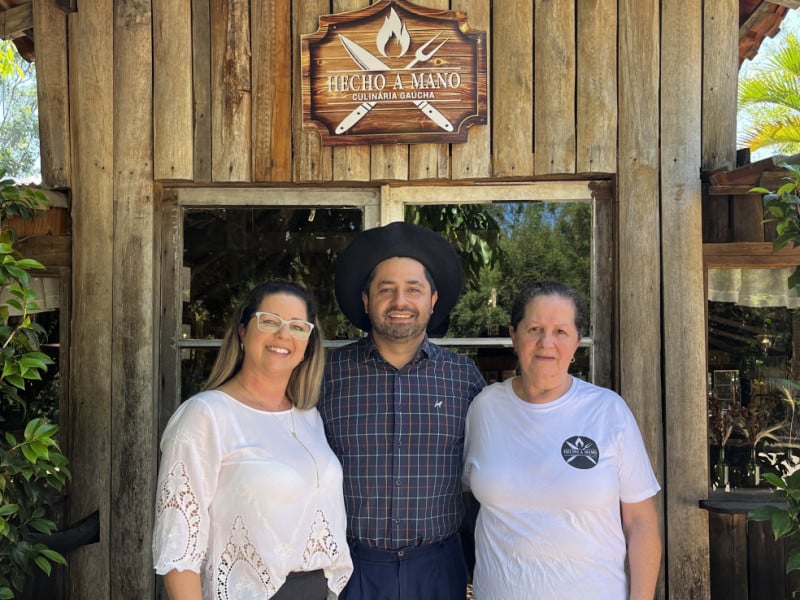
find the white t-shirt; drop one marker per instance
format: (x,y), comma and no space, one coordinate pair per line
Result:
(238,500)
(550,479)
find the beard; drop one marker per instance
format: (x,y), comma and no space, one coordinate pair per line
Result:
(388,329)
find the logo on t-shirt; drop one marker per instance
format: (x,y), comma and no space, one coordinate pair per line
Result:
(580,452)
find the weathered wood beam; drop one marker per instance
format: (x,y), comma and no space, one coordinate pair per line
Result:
(555,65)
(429,161)
(272,105)
(88,422)
(133,444)
(50,25)
(685,435)
(513,110)
(596,101)
(15,20)
(786,3)
(231,91)
(201,85)
(172,90)
(720,80)
(639,265)
(750,255)
(472,159)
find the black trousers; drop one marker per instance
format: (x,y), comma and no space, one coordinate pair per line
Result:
(303,585)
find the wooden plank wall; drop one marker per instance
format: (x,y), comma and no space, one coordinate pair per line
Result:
(555,95)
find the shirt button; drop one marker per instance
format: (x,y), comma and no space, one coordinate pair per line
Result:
(397,482)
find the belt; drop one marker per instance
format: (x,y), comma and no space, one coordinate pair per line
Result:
(360,549)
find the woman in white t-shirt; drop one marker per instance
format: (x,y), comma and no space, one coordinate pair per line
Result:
(249,501)
(560,470)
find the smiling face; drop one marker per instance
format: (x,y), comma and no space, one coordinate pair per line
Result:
(546,340)
(276,352)
(400,300)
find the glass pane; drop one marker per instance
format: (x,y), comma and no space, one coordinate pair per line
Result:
(502,246)
(227,251)
(498,364)
(753,343)
(195,368)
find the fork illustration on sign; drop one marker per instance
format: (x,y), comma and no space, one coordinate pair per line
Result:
(368,62)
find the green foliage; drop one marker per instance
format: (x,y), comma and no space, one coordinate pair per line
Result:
(472,229)
(32,469)
(8,62)
(32,474)
(783,208)
(771,99)
(784,515)
(526,241)
(19,115)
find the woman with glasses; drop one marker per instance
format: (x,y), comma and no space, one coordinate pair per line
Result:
(249,501)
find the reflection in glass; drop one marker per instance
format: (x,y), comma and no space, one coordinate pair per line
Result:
(753,343)
(227,251)
(503,246)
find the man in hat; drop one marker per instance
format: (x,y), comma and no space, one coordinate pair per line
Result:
(394,406)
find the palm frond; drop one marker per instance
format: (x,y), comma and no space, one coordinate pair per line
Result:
(780,131)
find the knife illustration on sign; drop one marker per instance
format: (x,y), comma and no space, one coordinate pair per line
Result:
(368,62)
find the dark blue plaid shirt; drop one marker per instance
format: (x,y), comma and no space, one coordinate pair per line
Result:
(399,434)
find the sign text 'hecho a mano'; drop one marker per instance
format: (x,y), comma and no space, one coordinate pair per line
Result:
(394,73)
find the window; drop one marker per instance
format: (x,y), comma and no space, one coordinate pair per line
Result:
(753,370)
(219,243)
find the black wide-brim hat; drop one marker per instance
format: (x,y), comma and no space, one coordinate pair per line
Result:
(405,240)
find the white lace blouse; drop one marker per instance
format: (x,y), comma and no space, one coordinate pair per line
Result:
(243,503)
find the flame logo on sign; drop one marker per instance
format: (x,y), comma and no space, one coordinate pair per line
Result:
(393,27)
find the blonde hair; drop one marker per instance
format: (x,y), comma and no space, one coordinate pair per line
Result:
(306,379)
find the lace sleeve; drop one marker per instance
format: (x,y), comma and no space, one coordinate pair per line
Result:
(186,483)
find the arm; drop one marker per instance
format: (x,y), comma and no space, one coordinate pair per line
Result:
(640,523)
(183,585)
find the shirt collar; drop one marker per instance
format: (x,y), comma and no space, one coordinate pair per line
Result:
(427,349)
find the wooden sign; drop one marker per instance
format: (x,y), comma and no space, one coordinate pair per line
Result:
(394,73)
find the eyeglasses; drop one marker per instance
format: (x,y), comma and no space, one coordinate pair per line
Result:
(272,323)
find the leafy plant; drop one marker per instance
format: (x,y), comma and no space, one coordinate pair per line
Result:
(784,518)
(783,208)
(32,474)
(32,469)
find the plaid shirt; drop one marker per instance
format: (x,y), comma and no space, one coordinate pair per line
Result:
(399,434)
